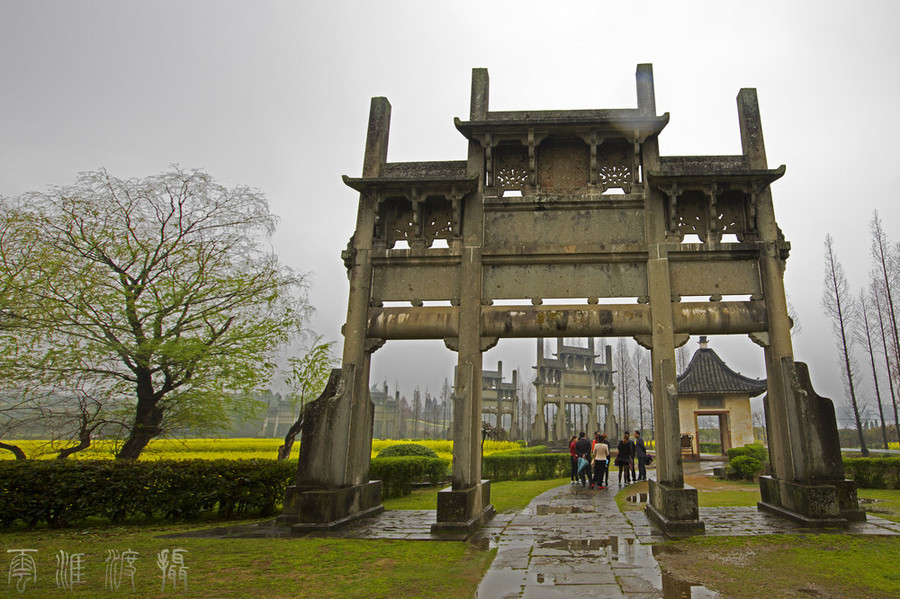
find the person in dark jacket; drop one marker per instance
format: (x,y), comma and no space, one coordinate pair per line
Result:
(583,449)
(623,459)
(640,456)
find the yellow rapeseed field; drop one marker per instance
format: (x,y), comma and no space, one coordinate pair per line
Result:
(223,449)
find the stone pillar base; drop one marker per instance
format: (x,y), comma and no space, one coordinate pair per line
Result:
(460,512)
(822,505)
(675,510)
(315,508)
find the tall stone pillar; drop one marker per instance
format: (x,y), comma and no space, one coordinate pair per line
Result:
(807,482)
(332,481)
(672,504)
(538,429)
(466,505)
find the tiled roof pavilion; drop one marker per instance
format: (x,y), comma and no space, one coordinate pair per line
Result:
(708,373)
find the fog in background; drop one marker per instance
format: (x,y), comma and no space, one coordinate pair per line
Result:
(275,95)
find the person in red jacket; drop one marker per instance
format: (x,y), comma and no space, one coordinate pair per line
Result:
(573,457)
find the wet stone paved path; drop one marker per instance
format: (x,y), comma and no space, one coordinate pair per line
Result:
(569,542)
(572,542)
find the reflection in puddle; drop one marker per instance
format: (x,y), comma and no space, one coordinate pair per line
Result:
(675,588)
(624,551)
(637,498)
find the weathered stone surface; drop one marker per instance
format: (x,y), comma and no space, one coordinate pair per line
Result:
(577,206)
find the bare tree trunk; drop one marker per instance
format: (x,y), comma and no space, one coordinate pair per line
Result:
(839,305)
(866,334)
(15,449)
(284,450)
(84,441)
(881,254)
(147,421)
(887,355)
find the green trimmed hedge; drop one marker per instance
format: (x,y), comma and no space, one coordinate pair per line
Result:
(406,450)
(874,473)
(711,448)
(397,475)
(61,493)
(520,465)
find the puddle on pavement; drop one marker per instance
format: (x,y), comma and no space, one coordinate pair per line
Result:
(675,588)
(543,510)
(637,498)
(625,551)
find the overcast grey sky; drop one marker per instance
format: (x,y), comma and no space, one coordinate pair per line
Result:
(275,95)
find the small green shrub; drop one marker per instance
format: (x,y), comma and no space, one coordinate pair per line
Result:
(406,450)
(755,450)
(745,467)
(398,474)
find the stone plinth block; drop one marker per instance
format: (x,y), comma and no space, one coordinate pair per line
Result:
(314,508)
(460,512)
(674,509)
(824,504)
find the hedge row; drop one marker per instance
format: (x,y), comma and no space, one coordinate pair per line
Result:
(512,465)
(874,473)
(397,475)
(63,492)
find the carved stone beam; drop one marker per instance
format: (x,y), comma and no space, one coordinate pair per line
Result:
(753,190)
(646,341)
(489,342)
(452,343)
(760,339)
(373,344)
(672,192)
(456,209)
(532,163)
(377,199)
(711,192)
(636,160)
(488,144)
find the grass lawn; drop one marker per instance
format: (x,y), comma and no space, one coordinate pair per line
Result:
(255,567)
(820,565)
(825,565)
(270,567)
(881,502)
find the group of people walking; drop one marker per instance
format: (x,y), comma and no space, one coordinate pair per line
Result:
(591,459)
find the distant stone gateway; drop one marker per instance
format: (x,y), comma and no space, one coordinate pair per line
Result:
(572,206)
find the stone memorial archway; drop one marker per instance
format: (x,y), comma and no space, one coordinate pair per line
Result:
(575,205)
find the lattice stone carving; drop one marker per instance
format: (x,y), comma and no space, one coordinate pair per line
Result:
(614,169)
(690,218)
(731,214)
(511,168)
(437,222)
(397,220)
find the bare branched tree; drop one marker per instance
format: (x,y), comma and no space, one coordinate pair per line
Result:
(863,335)
(839,305)
(875,290)
(885,265)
